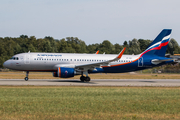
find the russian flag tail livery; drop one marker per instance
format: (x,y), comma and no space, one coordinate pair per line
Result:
(159,45)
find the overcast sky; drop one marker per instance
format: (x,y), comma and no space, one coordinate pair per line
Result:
(92,21)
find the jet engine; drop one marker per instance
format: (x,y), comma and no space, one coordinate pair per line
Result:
(63,72)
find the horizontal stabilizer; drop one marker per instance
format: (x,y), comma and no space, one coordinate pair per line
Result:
(156,61)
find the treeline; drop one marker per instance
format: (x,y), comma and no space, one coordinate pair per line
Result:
(11,46)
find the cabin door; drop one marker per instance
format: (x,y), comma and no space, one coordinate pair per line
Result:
(27,59)
(140,62)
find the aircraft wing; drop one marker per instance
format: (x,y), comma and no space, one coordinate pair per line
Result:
(92,66)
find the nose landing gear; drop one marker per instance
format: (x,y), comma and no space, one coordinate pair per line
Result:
(26,78)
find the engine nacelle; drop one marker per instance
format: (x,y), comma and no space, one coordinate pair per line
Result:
(63,72)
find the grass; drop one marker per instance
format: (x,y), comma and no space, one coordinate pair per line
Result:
(33,102)
(48,75)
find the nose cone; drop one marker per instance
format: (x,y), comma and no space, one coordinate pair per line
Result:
(6,64)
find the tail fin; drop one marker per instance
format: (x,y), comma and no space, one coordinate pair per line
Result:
(159,45)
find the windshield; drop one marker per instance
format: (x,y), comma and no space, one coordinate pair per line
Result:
(14,58)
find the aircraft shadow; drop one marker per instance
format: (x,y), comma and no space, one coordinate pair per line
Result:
(148,81)
(74,81)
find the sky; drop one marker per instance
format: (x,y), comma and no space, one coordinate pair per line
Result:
(92,21)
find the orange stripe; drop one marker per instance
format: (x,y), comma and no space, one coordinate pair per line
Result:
(59,72)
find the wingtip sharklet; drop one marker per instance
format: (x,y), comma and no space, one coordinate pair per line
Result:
(97,52)
(121,53)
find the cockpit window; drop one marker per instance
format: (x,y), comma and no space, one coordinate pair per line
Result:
(14,58)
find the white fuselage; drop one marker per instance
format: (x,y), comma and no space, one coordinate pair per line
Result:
(51,61)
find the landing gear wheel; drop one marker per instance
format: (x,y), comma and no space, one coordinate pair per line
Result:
(82,78)
(87,79)
(26,78)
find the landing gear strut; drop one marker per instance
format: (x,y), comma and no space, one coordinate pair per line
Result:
(26,78)
(85,79)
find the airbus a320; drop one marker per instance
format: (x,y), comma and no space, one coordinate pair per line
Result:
(66,65)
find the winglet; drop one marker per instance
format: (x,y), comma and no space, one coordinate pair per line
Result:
(119,56)
(121,53)
(97,52)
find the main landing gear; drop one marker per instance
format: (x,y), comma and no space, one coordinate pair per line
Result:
(26,78)
(85,79)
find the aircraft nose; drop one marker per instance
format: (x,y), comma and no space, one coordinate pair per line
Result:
(6,64)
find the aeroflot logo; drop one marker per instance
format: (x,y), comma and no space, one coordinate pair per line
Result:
(48,55)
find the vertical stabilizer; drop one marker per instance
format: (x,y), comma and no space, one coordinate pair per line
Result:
(159,45)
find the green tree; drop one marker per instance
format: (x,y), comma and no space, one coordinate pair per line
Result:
(173,47)
(106,47)
(144,44)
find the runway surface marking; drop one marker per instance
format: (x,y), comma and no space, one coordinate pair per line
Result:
(94,82)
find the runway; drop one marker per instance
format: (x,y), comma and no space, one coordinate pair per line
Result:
(95,82)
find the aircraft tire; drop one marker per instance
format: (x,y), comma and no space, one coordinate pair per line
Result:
(82,78)
(87,79)
(26,78)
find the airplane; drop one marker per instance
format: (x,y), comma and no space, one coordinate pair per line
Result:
(66,65)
